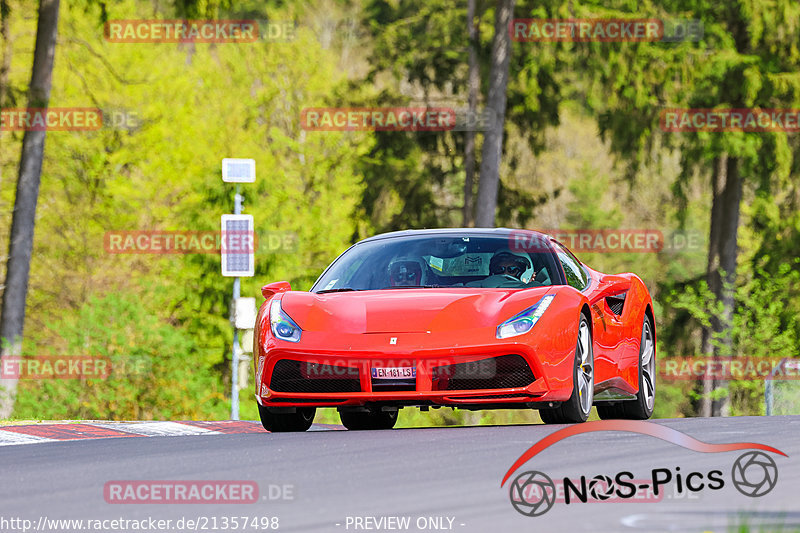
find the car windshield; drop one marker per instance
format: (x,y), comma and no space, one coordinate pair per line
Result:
(437,260)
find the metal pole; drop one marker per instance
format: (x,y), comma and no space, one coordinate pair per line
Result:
(235,355)
(235,361)
(768,396)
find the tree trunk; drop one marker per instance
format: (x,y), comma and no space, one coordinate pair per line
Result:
(718,178)
(5,64)
(472,102)
(721,272)
(496,105)
(22,223)
(728,253)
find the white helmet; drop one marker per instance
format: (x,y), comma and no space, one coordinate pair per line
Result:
(408,271)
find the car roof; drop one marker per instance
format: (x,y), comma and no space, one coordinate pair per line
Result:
(499,232)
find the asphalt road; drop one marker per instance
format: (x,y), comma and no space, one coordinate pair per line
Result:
(442,479)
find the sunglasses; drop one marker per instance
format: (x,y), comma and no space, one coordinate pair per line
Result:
(512,270)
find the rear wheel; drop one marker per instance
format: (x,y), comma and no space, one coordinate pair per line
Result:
(300,420)
(358,420)
(577,408)
(642,407)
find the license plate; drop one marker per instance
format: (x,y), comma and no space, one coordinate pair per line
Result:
(394,373)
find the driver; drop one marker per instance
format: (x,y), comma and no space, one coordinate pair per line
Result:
(506,262)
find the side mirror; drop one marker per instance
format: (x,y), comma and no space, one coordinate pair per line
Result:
(275,288)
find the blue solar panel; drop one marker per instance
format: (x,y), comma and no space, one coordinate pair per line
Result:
(239,170)
(238,245)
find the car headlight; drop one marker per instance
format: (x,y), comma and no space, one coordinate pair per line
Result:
(524,321)
(282,325)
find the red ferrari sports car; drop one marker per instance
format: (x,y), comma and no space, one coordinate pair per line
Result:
(467,318)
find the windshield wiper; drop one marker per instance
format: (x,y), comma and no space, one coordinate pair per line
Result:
(413,287)
(341,289)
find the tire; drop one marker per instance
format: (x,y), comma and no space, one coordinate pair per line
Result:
(360,420)
(548,416)
(579,405)
(642,407)
(611,411)
(300,420)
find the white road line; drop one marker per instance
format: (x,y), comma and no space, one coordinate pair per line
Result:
(10,438)
(144,429)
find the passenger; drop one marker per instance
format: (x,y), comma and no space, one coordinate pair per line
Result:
(407,272)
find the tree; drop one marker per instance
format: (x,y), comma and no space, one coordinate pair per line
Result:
(5,38)
(24,218)
(473,87)
(422,179)
(747,58)
(496,103)
(756,66)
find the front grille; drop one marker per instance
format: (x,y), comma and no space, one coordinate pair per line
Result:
(299,376)
(502,372)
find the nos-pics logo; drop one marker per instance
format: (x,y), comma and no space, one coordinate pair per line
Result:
(533,493)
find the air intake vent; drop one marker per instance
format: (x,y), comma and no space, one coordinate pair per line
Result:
(616,303)
(300,376)
(502,372)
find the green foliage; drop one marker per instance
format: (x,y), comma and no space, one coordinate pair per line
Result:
(157,370)
(162,172)
(762,327)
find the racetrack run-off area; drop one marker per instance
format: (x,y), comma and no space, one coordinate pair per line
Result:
(54,432)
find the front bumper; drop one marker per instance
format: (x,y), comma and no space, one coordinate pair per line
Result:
(501,375)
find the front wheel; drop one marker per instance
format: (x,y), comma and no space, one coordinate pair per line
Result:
(359,420)
(577,408)
(642,407)
(300,420)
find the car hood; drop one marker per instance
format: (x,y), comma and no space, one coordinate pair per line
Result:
(407,310)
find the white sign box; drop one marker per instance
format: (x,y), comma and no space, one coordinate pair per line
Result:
(238,170)
(244,313)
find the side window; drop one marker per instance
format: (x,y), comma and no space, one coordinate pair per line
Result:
(576,276)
